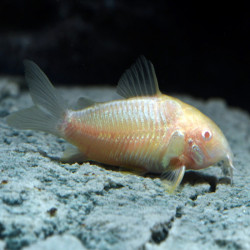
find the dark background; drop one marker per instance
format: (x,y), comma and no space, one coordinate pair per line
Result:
(200,49)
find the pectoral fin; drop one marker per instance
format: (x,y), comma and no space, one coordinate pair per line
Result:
(172,178)
(174,172)
(175,147)
(72,155)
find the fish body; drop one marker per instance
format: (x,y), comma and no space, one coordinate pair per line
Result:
(146,131)
(131,133)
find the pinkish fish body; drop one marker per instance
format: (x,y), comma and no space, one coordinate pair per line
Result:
(129,133)
(147,131)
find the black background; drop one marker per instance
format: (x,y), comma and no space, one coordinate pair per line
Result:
(198,48)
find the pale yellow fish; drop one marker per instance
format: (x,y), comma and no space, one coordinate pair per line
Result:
(145,130)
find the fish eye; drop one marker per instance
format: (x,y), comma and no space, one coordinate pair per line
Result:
(206,135)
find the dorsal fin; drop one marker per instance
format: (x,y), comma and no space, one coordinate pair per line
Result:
(139,80)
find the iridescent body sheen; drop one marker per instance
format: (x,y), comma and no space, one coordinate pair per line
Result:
(146,131)
(131,133)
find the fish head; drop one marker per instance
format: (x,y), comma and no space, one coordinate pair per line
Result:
(206,143)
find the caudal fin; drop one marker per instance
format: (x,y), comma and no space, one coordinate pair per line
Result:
(49,107)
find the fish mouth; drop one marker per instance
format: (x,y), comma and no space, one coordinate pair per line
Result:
(228,167)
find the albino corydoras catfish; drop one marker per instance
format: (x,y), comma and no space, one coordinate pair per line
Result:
(145,130)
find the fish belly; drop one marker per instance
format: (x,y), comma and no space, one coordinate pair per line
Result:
(129,133)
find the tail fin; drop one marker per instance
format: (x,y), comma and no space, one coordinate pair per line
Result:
(49,107)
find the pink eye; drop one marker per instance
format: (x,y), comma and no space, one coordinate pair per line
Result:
(207,135)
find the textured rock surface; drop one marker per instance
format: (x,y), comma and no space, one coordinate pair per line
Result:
(45,203)
(64,242)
